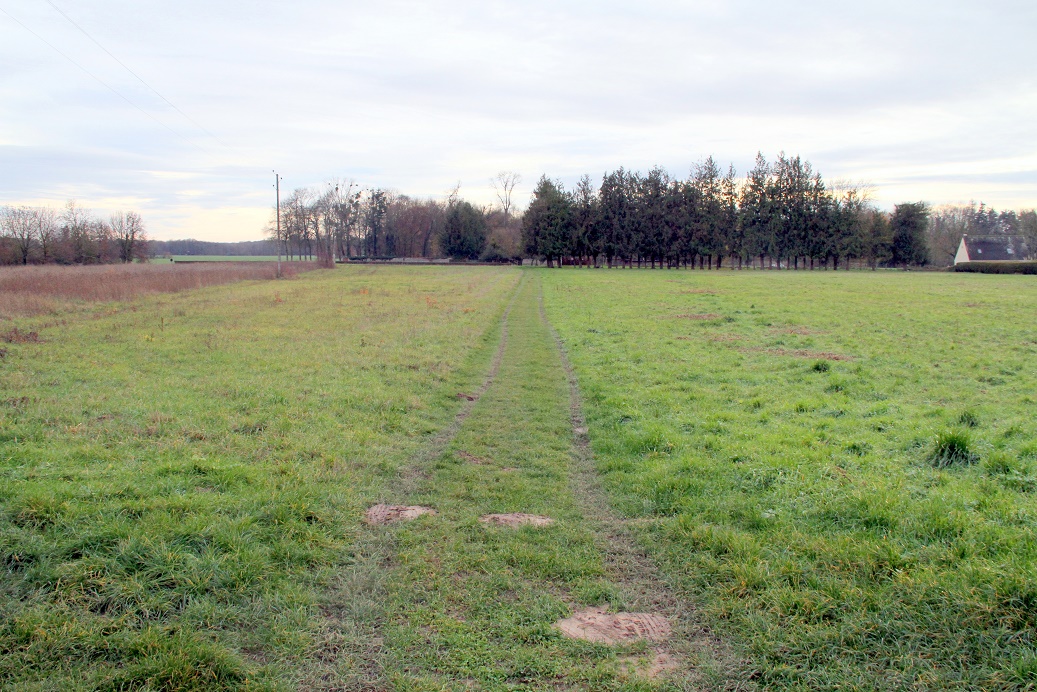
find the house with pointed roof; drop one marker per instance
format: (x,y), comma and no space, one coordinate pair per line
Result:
(991,248)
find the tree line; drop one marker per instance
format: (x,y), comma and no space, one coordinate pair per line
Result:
(781,214)
(340,220)
(34,235)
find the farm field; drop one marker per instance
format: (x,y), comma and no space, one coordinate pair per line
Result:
(181,473)
(773,437)
(820,480)
(226,258)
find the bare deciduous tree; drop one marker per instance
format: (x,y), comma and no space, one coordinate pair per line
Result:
(128,232)
(76,236)
(17,224)
(503,186)
(45,228)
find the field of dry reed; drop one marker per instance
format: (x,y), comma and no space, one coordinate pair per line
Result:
(37,290)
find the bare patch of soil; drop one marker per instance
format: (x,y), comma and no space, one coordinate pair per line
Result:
(721,338)
(703,316)
(387,514)
(598,625)
(470,458)
(802,353)
(516,519)
(466,397)
(801,331)
(16,336)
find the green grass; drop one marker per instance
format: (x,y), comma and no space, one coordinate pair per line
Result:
(797,502)
(226,258)
(472,606)
(837,471)
(181,475)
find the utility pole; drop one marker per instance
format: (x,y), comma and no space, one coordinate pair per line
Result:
(277,186)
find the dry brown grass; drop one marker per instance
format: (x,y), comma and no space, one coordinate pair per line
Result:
(36,290)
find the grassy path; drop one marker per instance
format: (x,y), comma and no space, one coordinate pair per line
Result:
(449,602)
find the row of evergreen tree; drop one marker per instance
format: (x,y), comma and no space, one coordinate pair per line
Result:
(781,213)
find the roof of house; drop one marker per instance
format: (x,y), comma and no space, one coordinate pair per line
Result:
(995,247)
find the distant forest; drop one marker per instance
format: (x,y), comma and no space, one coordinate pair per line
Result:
(781,214)
(339,220)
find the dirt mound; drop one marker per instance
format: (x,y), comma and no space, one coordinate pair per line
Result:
(464,396)
(470,458)
(704,316)
(387,514)
(598,625)
(516,519)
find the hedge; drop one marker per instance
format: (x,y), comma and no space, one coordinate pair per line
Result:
(997,267)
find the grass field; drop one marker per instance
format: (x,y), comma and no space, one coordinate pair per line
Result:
(823,480)
(181,474)
(225,258)
(776,438)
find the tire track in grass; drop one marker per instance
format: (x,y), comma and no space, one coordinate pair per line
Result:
(628,565)
(349,653)
(477,604)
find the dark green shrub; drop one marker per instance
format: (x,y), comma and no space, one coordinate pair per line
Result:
(997,267)
(952,448)
(821,366)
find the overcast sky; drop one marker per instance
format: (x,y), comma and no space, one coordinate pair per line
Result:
(925,100)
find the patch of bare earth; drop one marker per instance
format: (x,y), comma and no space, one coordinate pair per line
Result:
(516,519)
(719,338)
(388,514)
(800,331)
(702,316)
(16,336)
(802,353)
(463,396)
(602,627)
(699,291)
(470,458)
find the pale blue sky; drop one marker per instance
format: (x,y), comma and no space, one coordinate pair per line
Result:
(924,100)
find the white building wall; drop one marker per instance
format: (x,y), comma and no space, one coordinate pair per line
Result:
(962,254)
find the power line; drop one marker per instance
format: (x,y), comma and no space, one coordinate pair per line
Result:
(137,76)
(103,83)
